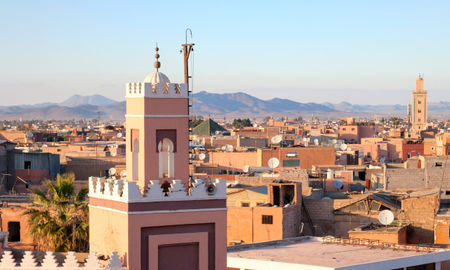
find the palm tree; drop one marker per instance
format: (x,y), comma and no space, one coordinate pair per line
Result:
(59,218)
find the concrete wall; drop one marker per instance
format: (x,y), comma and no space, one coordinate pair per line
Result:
(234,160)
(442,230)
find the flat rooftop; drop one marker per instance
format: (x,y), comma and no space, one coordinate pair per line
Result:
(312,253)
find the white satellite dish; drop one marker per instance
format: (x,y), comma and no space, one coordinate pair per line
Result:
(112,171)
(349,149)
(245,169)
(113,154)
(334,141)
(44,145)
(29,134)
(304,139)
(276,139)
(119,135)
(273,163)
(229,148)
(202,156)
(123,174)
(343,147)
(386,217)
(316,141)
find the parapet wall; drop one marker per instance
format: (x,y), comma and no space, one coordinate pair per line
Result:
(50,262)
(169,90)
(127,191)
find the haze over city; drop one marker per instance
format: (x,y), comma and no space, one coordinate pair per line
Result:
(321,51)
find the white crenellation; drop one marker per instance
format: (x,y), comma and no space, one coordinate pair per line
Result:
(28,261)
(50,263)
(8,261)
(128,191)
(169,90)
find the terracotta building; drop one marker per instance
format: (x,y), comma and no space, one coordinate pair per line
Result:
(278,219)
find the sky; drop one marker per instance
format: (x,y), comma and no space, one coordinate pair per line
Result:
(362,52)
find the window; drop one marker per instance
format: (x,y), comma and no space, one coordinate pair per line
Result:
(438,164)
(291,163)
(14,231)
(245,204)
(419,111)
(344,129)
(266,219)
(27,165)
(353,129)
(291,154)
(419,102)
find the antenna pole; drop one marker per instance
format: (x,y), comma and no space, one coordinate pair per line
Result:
(187,48)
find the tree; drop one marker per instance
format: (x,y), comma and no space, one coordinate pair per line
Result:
(59,219)
(240,123)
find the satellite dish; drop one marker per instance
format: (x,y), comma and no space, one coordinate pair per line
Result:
(338,184)
(276,139)
(316,141)
(273,163)
(29,134)
(113,154)
(112,171)
(349,149)
(334,141)
(343,147)
(305,139)
(202,156)
(246,168)
(229,148)
(44,145)
(123,174)
(119,135)
(386,217)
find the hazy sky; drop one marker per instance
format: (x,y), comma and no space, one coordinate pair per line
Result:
(366,52)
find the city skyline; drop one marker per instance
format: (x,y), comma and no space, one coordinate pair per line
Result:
(350,51)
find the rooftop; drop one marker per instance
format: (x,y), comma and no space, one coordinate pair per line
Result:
(299,252)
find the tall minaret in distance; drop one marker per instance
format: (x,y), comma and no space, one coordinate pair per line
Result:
(419,110)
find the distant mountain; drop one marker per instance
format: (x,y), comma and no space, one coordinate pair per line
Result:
(246,105)
(234,105)
(77,100)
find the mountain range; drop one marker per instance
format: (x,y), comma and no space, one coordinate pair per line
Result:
(232,105)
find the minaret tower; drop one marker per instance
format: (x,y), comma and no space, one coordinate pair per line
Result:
(153,218)
(157,129)
(419,110)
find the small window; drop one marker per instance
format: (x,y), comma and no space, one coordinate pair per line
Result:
(344,129)
(245,204)
(27,165)
(353,129)
(419,102)
(291,154)
(419,120)
(419,111)
(266,219)
(14,231)
(447,192)
(438,164)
